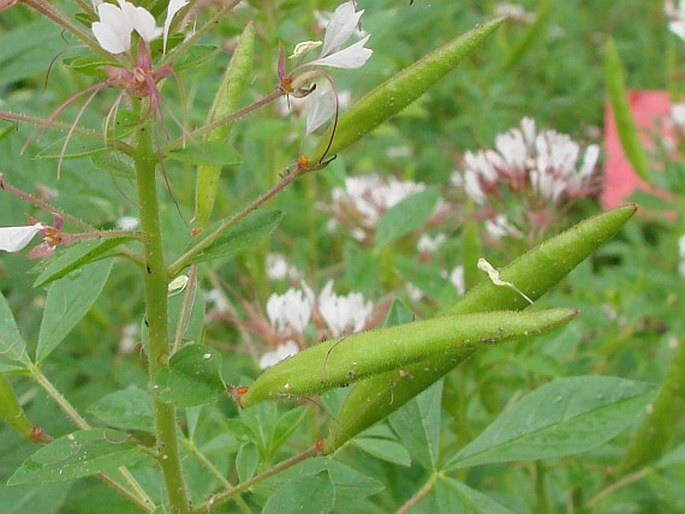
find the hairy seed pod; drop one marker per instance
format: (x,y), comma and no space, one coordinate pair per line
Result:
(226,102)
(337,362)
(402,89)
(535,273)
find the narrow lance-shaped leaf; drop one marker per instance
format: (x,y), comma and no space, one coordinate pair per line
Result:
(75,257)
(82,453)
(226,101)
(69,300)
(567,416)
(535,273)
(13,354)
(625,124)
(338,362)
(399,91)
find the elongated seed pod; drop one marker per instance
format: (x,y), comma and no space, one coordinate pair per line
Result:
(625,124)
(534,273)
(337,362)
(402,89)
(226,101)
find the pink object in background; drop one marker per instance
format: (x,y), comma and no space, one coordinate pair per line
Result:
(651,112)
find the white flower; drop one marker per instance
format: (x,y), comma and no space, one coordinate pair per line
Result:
(173,7)
(343,314)
(127,223)
(340,27)
(13,239)
(282,352)
(677,18)
(278,268)
(681,254)
(428,244)
(113,31)
(414,292)
(457,279)
(320,105)
(500,227)
(289,312)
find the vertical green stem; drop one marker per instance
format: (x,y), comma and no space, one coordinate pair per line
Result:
(156,319)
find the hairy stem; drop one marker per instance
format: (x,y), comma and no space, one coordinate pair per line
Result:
(184,260)
(418,495)
(156,320)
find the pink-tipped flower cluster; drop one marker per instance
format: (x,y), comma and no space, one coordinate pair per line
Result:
(521,184)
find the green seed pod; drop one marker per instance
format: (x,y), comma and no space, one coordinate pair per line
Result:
(661,423)
(338,362)
(535,272)
(226,102)
(398,92)
(11,411)
(625,125)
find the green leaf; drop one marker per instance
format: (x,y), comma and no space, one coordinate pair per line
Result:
(192,378)
(471,500)
(244,235)
(33,498)
(193,56)
(89,64)
(405,217)
(13,354)
(310,495)
(399,91)
(285,426)
(350,485)
(564,417)
(246,461)
(68,301)
(384,449)
(79,454)
(130,409)
(417,426)
(75,257)
(213,153)
(625,124)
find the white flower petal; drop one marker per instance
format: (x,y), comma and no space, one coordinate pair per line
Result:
(172,9)
(13,239)
(141,19)
(113,31)
(352,57)
(340,27)
(282,352)
(320,108)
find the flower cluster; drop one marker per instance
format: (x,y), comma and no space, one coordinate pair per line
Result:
(358,206)
(542,171)
(299,317)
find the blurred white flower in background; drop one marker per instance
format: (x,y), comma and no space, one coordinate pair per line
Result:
(282,352)
(676,16)
(343,314)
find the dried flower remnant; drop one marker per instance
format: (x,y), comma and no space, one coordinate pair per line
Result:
(523,184)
